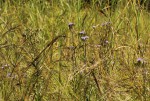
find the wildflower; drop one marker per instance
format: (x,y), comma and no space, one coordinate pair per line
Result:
(107,42)
(8,74)
(82,32)
(71,25)
(2,67)
(84,38)
(139,61)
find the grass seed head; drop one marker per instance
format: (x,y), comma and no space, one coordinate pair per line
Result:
(94,27)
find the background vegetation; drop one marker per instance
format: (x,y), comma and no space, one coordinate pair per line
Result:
(74,50)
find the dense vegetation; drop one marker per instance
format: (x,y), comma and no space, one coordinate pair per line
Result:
(74,50)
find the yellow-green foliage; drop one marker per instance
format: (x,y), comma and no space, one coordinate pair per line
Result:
(68,50)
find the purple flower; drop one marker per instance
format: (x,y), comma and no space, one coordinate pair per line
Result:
(2,67)
(107,42)
(82,32)
(84,38)
(8,74)
(140,60)
(71,25)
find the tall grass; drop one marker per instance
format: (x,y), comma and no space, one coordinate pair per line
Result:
(103,56)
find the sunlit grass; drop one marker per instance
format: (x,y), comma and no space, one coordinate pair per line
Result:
(102,56)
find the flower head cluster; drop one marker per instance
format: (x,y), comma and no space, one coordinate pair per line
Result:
(140,60)
(84,38)
(82,33)
(70,25)
(4,66)
(107,42)
(8,74)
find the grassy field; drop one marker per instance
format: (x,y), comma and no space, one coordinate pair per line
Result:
(70,50)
